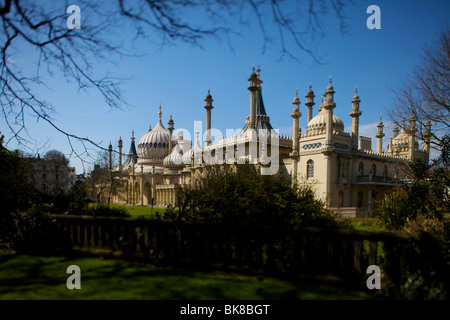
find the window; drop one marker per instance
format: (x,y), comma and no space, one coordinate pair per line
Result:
(361,169)
(360,199)
(373,170)
(385,172)
(310,169)
(341,199)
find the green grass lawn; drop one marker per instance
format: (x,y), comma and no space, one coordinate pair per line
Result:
(28,277)
(367,224)
(138,211)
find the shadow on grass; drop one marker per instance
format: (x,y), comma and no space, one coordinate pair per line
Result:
(28,277)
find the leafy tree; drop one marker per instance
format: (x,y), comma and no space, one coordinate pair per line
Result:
(241,196)
(16,187)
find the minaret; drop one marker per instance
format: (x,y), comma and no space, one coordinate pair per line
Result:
(110,149)
(395,132)
(253,86)
(120,153)
(426,138)
(380,136)
(295,136)
(208,107)
(329,105)
(170,127)
(355,114)
(412,137)
(309,103)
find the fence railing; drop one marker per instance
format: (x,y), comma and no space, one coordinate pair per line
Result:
(344,253)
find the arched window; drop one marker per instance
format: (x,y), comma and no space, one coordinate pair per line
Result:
(361,169)
(341,199)
(310,169)
(373,170)
(385,172)
(360,199)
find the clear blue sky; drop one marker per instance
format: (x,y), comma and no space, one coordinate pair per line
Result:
(377,61)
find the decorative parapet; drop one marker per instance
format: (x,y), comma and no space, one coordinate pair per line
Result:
(383,155)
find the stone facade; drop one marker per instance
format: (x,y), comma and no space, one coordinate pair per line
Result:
(340,165)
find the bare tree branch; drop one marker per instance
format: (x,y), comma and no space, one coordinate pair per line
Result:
(41,28)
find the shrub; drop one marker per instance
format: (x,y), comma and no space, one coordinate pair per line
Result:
(241,196)
(429,276)
(105,211)
(394,210)
(36,234)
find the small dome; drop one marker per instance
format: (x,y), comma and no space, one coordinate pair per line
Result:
(154,145)
(319,123)
(175,158)
(197,151)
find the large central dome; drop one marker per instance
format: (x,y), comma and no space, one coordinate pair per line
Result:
(318,124)
(154,145)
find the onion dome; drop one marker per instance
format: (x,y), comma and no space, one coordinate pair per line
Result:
(196,151)
(175,159)
(318,124)
(154,145)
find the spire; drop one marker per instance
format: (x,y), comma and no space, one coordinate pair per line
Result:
(356,97)
(309,103)
(380,136)
(330,87)
(329,96)
(395,131)
(208,101)
(132,136)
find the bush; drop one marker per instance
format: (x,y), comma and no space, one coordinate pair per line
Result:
(429,276)
(241,196)
(394,210)
(105,211)
(36,234)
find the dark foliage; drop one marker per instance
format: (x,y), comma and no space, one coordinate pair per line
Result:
(16,188)
(240,196)
(36,234)
(105,211)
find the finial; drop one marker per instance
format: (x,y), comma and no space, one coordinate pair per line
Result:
(197,133)
(253,68)
(296,92)
(310,86)
(330,79)
(209,92)
(159,113)
(258,70)
(132,134)
(356,89)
